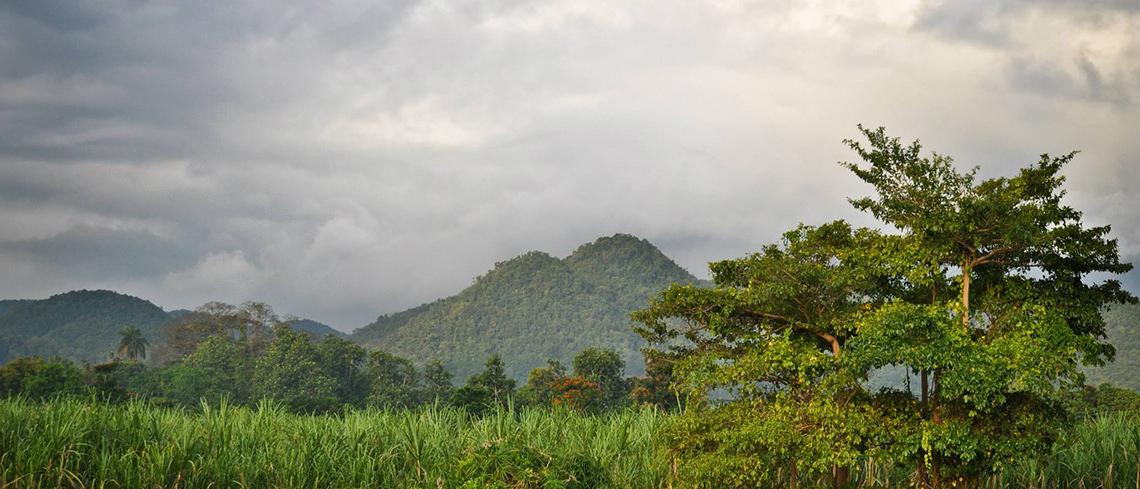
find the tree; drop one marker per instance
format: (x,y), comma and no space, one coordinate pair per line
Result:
(217,369)
(437,383)
(982,288)
(132,343)
(251,324)
(289,373)
(395,382)
(1001,307)
(604,368)
(655,388)
(345,363)
(577,393)
(768,334)
(39,379)
(539,383)
(487,389)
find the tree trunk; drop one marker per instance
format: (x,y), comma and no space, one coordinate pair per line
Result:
(936,418)
(966,271)
(924,390)
(840,476)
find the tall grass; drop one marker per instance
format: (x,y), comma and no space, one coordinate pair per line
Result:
(77,443)
(74,443)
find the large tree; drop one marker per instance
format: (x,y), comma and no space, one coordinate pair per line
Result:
(757,356)
(981,288)
(997,306)
(250,323)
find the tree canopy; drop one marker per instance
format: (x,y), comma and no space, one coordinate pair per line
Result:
(985,291)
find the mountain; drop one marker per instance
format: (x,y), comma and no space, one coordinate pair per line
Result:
(1123,328)
(317,329)
(82,325)
(534,307)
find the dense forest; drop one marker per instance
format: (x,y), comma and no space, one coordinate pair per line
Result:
(535,307)
(81,325)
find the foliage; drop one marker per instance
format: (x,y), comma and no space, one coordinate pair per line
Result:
(535,307)
(1122,326)
(577,393)
(538,390)
(344,362)
(395,383)
(437,385)
(80,443)
(604,369)
(655,388)
(979,289)
(289,374)
(768,334)
(81,326)
(250,323)
(36,378)
(486,390)
(84,444)
(217,369)
(132,344)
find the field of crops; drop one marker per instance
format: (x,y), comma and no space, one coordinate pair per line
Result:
(77,443)
(83,444)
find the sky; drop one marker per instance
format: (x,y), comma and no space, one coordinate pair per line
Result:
(342,159)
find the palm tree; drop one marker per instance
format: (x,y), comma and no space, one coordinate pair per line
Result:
(132,344)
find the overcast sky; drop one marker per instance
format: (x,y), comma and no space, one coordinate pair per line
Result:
(344,159)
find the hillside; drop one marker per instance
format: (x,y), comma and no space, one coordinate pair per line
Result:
(81,325)
(1123,326)
(317,329)
(534,307)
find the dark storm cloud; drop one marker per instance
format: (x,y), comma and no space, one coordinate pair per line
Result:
(1114,77)
(346,158)
(86,252)
(989,21)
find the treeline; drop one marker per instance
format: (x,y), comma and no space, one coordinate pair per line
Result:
(246,354)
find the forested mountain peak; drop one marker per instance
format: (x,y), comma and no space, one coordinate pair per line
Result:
(613,257)
(534,307)
(315,328)
(79,325)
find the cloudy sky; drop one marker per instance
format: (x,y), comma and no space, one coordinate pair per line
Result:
(342,159)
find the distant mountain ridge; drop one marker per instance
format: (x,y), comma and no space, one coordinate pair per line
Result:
(1122,323)
(83,325)
(315,328)
(535,307)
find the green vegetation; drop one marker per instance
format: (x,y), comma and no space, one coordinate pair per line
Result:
(245,355)
(980,290)
(80,326)
(1122,323)
(535,307)
(87,326)
(132,344)
(317,329)
(81,443)
(75,443)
